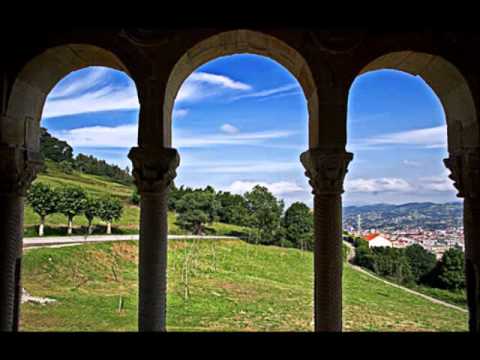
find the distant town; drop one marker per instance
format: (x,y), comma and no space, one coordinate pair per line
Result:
(436,227)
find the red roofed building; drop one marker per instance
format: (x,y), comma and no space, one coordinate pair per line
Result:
(377,240)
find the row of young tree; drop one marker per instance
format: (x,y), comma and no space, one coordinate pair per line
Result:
(72,201)
(61,152)
(258,210)
(413,265)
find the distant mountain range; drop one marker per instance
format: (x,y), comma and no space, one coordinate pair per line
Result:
(426,215)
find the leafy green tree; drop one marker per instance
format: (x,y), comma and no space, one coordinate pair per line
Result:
(135,197)
(72,201)
(54,149)
(44,201)
(109,209)
(392,263)
(195,210)
(298,223)
(421,261)
(91,211)
(265,213)
(233,209)
(364,256)
(450,272)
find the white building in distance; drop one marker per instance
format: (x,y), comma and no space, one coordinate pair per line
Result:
(377,240)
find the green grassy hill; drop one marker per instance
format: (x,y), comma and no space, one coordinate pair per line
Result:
(98,185)
(232,286)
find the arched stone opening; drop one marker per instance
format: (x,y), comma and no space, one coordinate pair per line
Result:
(448,84)
(21,123)
(241,42)
(457,100)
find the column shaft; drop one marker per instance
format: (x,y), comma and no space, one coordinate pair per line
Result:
(153,262)
(11,233)
(471,218)
(328,262)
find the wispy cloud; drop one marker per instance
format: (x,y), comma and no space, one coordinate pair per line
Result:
(74,85)
(267,92)
(435,137)
(201,85)
(237,167)
(126,136)
(103,99)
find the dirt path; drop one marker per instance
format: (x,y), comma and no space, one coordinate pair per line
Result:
(357,268)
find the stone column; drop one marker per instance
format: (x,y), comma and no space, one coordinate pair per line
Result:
(18,168)
(465,172)
(326,169)
(153,171)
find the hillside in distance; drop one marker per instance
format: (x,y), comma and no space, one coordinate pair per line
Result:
(426,215)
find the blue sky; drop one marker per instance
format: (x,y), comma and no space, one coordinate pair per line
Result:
(242,120)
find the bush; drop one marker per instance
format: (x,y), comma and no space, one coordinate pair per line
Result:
(135,197)
(421,262)
(449,273)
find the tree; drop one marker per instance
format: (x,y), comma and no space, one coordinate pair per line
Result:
(54,149)
(44,201)
(265,212)
(298,224)
(421,261)
(72,201)
(135,197)
(233,209)
(109,209)
(392,263)
(449,272)
(195,209)
(91,211)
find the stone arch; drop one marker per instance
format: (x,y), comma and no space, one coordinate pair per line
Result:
(448,84)
(240,42)
(21,123)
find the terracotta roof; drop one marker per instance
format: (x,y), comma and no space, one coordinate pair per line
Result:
(371,236)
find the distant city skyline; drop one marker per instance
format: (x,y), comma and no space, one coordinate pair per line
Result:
(242,120)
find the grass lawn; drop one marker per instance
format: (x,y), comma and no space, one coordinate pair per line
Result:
(232,286)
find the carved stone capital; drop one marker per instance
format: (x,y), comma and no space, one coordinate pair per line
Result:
(154,169)
(326,169)
(464,166)
(18,168)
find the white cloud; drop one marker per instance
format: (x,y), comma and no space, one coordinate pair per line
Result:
(411,163)
(100,136)
(267,92)
(201,85)
(435,137)
(126,136)
(276,188)
(71,86)
(229,129)
(439,183)
(254,138)
(378,185)
(104,99)
(241,167)
(179,113)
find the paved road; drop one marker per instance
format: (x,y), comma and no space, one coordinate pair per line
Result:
(61,240)
(436,301)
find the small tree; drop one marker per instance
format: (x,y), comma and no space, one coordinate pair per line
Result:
(91,211)
(265,213)
(298,223)
(196,209)
(72,201)
(44,201)
(421,261)
(449,272)
(135,197)
(110,209)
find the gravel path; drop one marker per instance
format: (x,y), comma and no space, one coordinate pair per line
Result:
(436,301)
